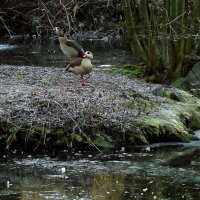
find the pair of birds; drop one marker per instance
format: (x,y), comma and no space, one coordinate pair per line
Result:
(80,61)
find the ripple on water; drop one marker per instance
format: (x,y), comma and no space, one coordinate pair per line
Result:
(136,175)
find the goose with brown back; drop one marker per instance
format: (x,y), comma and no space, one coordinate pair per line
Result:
(81,67)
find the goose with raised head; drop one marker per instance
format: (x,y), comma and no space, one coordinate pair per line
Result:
(69,47)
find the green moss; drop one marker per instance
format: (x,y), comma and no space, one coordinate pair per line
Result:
(129,70)
(133,70)
(153,123)
(184,96)
(171,95)
(158,127)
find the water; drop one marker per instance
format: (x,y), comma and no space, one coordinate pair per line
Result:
(117,175)
(46,52)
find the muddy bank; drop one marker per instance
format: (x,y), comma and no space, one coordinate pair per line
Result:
(42,107)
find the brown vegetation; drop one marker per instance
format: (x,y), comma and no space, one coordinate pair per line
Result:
(39,17)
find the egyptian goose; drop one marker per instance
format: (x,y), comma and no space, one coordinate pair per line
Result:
(81,67)
(69,47)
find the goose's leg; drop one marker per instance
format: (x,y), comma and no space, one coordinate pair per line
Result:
(84,82)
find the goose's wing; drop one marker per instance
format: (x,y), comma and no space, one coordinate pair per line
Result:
(74,44)
(75,63)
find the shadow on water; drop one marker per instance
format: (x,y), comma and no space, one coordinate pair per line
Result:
(46,52)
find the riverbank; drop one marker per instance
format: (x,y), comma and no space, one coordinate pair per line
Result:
(42,107)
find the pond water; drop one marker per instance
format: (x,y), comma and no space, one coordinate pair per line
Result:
(118,175)
(142,173)
(46,52)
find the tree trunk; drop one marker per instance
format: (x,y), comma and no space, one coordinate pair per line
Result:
(130,23)
(170,36)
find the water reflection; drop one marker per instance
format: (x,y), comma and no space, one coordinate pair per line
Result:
(4,47)
(117,176)
(46,52)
